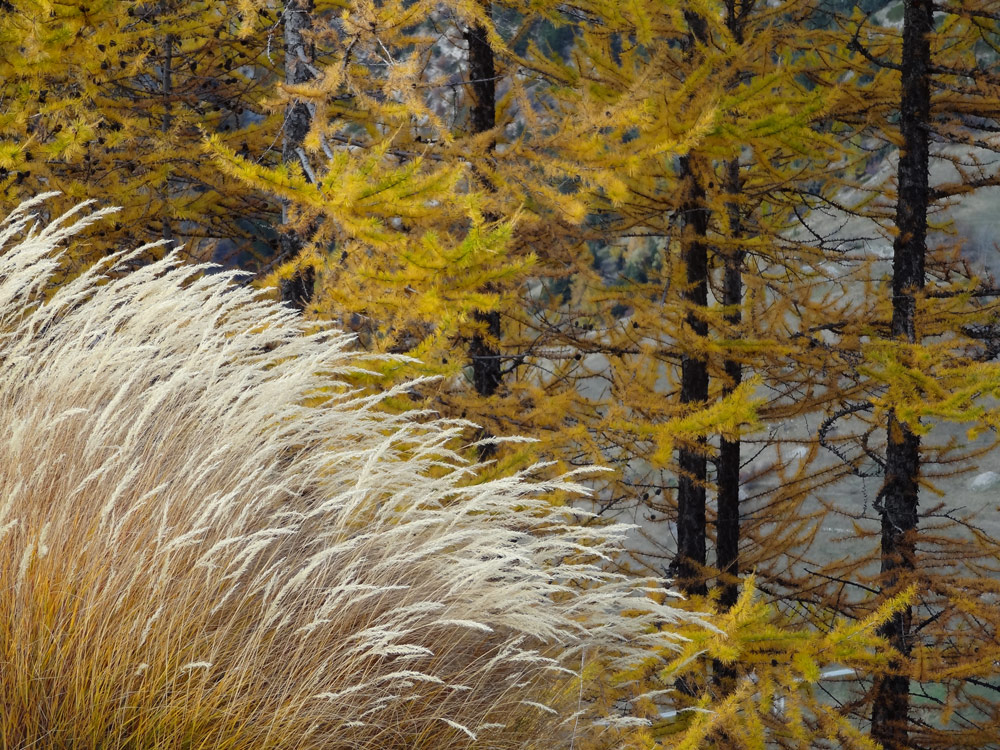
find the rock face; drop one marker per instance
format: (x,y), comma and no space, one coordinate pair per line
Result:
(211,537)
(985,481)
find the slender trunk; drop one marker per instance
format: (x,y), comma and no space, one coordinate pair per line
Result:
(689,565)
(727,524)
(482,79)
(727,520)
(899,493)
(166,91)
(485,357)
(299,56)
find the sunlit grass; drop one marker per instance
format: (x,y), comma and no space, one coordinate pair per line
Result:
(210,540)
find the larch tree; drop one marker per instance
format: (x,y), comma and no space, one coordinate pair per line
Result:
(899,493)
(379,176)
(924,360)
(299,68)
(674,245)
(112,100)
(484,352)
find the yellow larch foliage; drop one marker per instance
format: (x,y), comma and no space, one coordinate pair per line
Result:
(110,101)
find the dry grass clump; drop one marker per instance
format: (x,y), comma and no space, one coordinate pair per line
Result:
(209,540)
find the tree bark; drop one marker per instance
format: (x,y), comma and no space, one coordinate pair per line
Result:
(899,493)
(482,79)
(727,524)
(485,356)
(166,121)
(727,520)
(689,566)
(299,56)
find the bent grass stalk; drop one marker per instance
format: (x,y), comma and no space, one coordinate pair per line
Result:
(211,539)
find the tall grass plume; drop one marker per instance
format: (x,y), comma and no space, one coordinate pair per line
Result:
(210,539)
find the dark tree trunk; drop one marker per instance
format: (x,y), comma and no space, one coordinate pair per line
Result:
(297,290)
(482,79)
(727,524)
(299,56)
(486,366)
(166,90)
(899,493)
(727,521)
(689,565)
(486,373)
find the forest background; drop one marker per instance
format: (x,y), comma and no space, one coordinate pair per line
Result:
(722,248)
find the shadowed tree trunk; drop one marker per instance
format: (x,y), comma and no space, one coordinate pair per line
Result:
(727,477)
(299,56)
(166,90)
(482,79)
(688,567)
(899,493)
(485,357)
(727,524)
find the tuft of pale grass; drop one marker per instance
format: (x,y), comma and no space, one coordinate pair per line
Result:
(209,539)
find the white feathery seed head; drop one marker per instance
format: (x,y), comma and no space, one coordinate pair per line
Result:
(191,484)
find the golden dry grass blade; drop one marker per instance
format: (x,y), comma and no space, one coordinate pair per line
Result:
(210,539)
